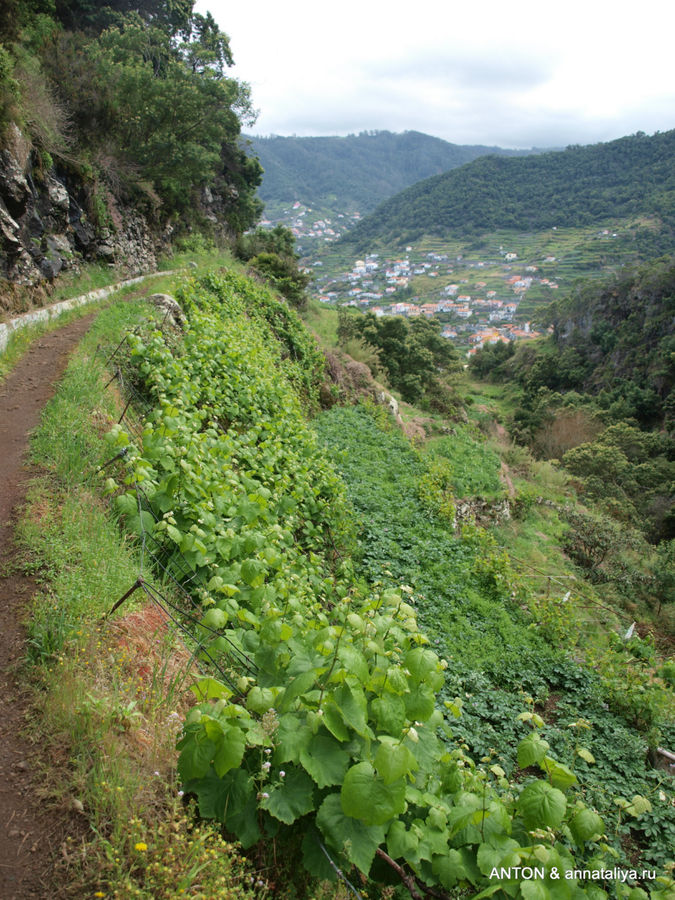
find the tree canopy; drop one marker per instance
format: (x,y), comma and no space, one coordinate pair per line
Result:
(144,86)
(632,176)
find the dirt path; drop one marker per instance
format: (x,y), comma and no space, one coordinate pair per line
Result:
(29,833)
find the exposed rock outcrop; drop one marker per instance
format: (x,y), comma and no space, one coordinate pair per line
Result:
(350,381)
(170,307)
(483,512)
(45,227)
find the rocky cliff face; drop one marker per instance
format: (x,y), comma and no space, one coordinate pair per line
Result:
(45,228)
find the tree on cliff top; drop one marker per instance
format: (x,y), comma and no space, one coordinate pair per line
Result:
(153,111)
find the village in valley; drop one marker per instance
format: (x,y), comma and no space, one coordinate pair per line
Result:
(481,293)
(310,227)
(476,301)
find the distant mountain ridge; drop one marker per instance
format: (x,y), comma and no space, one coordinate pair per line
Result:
(631,176)
(358,171)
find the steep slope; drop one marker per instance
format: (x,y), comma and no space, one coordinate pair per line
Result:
(302,555)
(119,130)
(320,660)
(598,393)
(359,170)
(630,177)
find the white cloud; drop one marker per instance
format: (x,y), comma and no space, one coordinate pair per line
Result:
(513,74)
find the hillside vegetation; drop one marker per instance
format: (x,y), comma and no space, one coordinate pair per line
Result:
(323,725)
(131,103)
(630,177)
(598,394)
(356,172)
(380,667)
(381,692)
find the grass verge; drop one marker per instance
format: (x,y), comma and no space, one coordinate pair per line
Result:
(109,693)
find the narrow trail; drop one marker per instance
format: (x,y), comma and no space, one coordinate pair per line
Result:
(30,834)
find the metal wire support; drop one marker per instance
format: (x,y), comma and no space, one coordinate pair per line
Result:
(338,871)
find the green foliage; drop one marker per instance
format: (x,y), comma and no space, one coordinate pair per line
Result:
(271,253)
(300,358)
(489,360)
(362,170)
(633,468)
(172,16)
(411,353)
(631,176)
(279,240)
(474,468)
(9,90)
(663,587)
(283,274)
(610,360)
(168,120)
(593,542)
(334,731)
(141,92)
(614,341)
(493,651)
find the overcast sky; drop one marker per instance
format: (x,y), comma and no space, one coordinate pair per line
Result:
(513,74)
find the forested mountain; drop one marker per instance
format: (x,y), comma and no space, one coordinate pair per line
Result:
(633,176)
(359,170)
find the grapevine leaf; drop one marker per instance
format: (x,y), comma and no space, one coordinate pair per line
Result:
(531,750)
(492,854)
(212,795)
(638,806)
(210,689)
(325,760)
(290,739)
(393,761)
(400,842)
(299,685)
(420,703)
(334,722)
(396,680)
(175,535)
(352,705)
(541,805)
(230,750)
(559,774)
(215,619)
(420,662)
(241,811)
(292,798)
(368,798)
(260,699)
(586,825)
(449,867)
(195,757)
(586,755)
(355,663)
(534,890)
(348,835)
(389,713)
(253,572)
(127,504)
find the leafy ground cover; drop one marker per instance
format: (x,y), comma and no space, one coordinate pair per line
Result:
(471,605)
(323,734)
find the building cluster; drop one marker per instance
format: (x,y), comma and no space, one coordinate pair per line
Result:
(306,224)
(473,313)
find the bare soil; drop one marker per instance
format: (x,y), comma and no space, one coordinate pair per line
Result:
(30,831)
